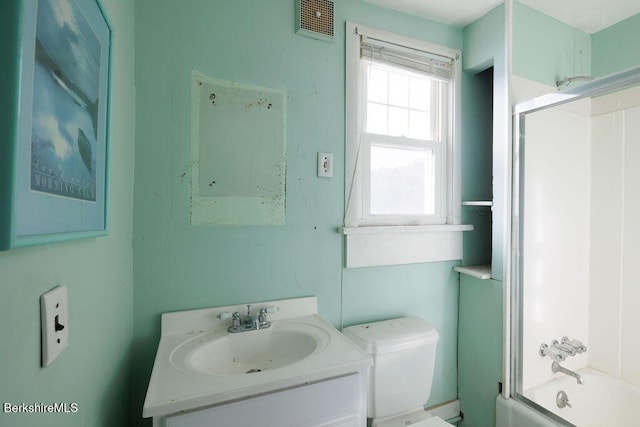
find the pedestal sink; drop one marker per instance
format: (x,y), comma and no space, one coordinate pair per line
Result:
(282,344)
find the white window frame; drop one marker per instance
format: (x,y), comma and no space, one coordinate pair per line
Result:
(438,146)
(398,239)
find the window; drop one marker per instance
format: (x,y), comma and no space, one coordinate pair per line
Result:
(402,137)
(403,140)
(402,164)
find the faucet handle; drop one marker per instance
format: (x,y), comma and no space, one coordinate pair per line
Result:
(262,313)
(235,316)
(270,309)
(565,348)
(562,400)
(578,346)
(224,315)
(236,319)
(554,353)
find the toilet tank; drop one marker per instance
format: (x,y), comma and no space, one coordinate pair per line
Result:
(404,354)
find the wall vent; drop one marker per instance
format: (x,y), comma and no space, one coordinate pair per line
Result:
(315,19)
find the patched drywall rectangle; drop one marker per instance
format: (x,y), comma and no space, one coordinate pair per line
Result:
(238,161)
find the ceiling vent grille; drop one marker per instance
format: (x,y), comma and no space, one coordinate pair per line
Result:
(315,19)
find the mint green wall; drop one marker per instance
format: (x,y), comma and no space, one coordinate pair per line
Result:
(178,266)
(484,41)
(94,371)
(617,47)
(546,50)
(429,290)
(485,152)
(480,347)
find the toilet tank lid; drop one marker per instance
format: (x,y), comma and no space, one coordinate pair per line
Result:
(392,335)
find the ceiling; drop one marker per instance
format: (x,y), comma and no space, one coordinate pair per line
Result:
(587,15)
(453,12)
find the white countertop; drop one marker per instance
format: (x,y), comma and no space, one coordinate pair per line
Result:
(174,389)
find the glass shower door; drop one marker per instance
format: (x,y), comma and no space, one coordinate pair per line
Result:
(575,188)
(555,245)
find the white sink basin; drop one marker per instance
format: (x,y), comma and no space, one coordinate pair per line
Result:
(199,364)
(252,352)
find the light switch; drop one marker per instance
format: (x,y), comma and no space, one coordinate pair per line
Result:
(54,319)
(325,165)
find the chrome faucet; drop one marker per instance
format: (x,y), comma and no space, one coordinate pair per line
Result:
(250,322)
(555,367)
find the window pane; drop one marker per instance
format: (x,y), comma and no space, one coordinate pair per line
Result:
(376,118)
(401,102)
(398,90)
(377,85)
(398,122)
(419,126)
(402,181)
(420,94)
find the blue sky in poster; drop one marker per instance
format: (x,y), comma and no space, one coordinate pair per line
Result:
(65,35)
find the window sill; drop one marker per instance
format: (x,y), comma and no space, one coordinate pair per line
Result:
(384,229)
(394,245)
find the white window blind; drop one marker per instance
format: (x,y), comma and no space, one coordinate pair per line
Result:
(428,63)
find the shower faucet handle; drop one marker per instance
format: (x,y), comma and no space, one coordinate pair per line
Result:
(562,400)
(578,346)
(565,348)
(552,352)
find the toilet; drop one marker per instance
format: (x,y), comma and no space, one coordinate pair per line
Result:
(404,354)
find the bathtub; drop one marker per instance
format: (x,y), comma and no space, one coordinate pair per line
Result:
(602,401)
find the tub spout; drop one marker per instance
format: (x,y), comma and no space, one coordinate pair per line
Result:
(555,367)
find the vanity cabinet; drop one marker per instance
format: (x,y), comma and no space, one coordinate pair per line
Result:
(338,401)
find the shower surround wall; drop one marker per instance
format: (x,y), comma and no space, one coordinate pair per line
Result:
(179,266)
(615,236)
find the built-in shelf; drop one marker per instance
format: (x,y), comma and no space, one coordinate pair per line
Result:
(478,271)
(478,203)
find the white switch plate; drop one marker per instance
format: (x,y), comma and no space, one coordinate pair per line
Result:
(54,319)
(325,165)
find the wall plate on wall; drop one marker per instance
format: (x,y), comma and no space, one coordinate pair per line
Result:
(315,19)
(325,165)
(54,317)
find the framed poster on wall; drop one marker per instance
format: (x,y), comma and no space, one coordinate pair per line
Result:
(54,181)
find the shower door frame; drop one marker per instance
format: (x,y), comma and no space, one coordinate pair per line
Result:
(514,301)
